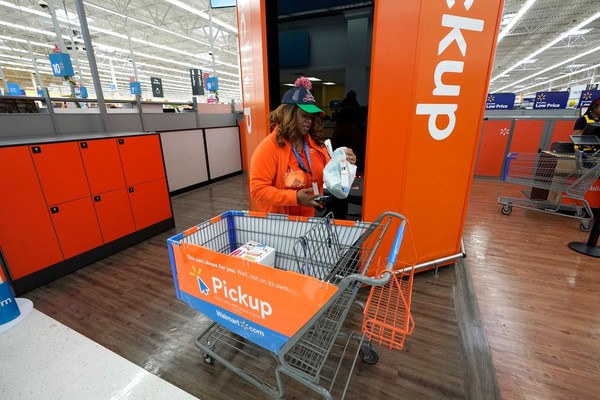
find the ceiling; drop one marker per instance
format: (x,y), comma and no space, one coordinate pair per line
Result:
(553,45)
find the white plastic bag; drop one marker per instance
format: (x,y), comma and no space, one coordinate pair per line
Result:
(339,174)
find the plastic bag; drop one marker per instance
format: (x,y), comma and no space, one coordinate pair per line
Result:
(339,174)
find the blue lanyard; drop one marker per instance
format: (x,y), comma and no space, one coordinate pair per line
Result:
(300,162)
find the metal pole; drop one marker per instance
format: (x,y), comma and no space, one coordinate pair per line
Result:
(75,56)
(61,42)
(85,33)
(4,80)
(35,66)
(135,72)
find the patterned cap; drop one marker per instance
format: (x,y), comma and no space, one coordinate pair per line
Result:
(300,95)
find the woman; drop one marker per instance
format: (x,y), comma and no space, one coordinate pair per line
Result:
(286,170)
(592,115)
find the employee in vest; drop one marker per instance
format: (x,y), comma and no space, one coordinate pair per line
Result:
(592,115)
(286,170)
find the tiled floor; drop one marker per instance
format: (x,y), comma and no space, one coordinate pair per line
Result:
(40,358)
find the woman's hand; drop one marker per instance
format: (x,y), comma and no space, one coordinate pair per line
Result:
(305,197)
(350,156)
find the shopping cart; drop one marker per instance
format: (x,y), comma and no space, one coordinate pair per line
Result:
(285,320)
(556,183)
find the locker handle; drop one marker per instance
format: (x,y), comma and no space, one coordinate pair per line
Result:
(121,141)
(97,198)
(131,190)
(83,145)
(36,149)
(54,210)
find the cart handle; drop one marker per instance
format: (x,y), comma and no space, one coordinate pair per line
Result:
(391,261)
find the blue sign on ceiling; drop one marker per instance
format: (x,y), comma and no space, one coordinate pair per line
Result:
(61,64)
(500,101)
(550,100)
(212,83)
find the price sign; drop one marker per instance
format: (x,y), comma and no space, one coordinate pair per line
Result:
(135,87)
(212,83)
(61,64)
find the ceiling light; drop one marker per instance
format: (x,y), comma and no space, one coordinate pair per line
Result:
(553,42)
(515,19)
(580,32)
(575,66)
(202,14)
(288,84)
(313,79)
(329,83)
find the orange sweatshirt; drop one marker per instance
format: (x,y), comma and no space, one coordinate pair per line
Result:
(268,166)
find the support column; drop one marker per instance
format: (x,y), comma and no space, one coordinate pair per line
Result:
(358,53)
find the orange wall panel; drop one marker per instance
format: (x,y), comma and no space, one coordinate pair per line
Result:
(25,222)
(526,136)
(492,147)
(253,63)
(102,165)
(430,70)
(561,132)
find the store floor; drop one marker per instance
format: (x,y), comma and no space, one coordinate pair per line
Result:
(537,300)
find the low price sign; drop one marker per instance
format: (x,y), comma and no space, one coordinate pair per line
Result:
(500,101)
(550,100)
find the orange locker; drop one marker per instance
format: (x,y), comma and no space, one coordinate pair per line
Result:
(60,170)
(76,226)
(102,165)
(150,203)
(141,157)
(114,214)
(27,237)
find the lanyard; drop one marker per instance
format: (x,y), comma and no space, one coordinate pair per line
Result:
(300,162)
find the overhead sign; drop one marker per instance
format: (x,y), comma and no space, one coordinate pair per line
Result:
(500,101)
(157,89)
(196,78)
(135,87)
(587,96)
(13,89)
(61,64)
(81,91)
(550,100)
(212,83)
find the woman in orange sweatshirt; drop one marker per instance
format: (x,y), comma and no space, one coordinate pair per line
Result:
(286,169)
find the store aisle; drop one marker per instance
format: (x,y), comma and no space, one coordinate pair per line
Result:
(40,358)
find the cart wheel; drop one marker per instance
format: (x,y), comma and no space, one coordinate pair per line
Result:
(208,359)
(371,358)
(507,209)
(585,226)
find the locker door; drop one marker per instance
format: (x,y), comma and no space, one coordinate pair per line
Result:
(114,214)
(102,165)
(76,226)
(27,236)
(60,170)
(142,160)
(150,203)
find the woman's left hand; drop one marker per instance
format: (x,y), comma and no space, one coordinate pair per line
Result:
(350,156)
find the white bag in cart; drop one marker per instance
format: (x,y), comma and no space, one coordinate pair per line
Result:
(339,174)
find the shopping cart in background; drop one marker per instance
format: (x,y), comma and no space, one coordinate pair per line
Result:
(286,320)
(557,183)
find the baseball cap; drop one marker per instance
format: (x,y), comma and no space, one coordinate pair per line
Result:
(301,96)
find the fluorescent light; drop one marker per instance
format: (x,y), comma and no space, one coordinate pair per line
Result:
(553,42)
(580,32)
(313,79)
(202,14)
(329,83)
(594,50)
(515,19)
(288,84)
